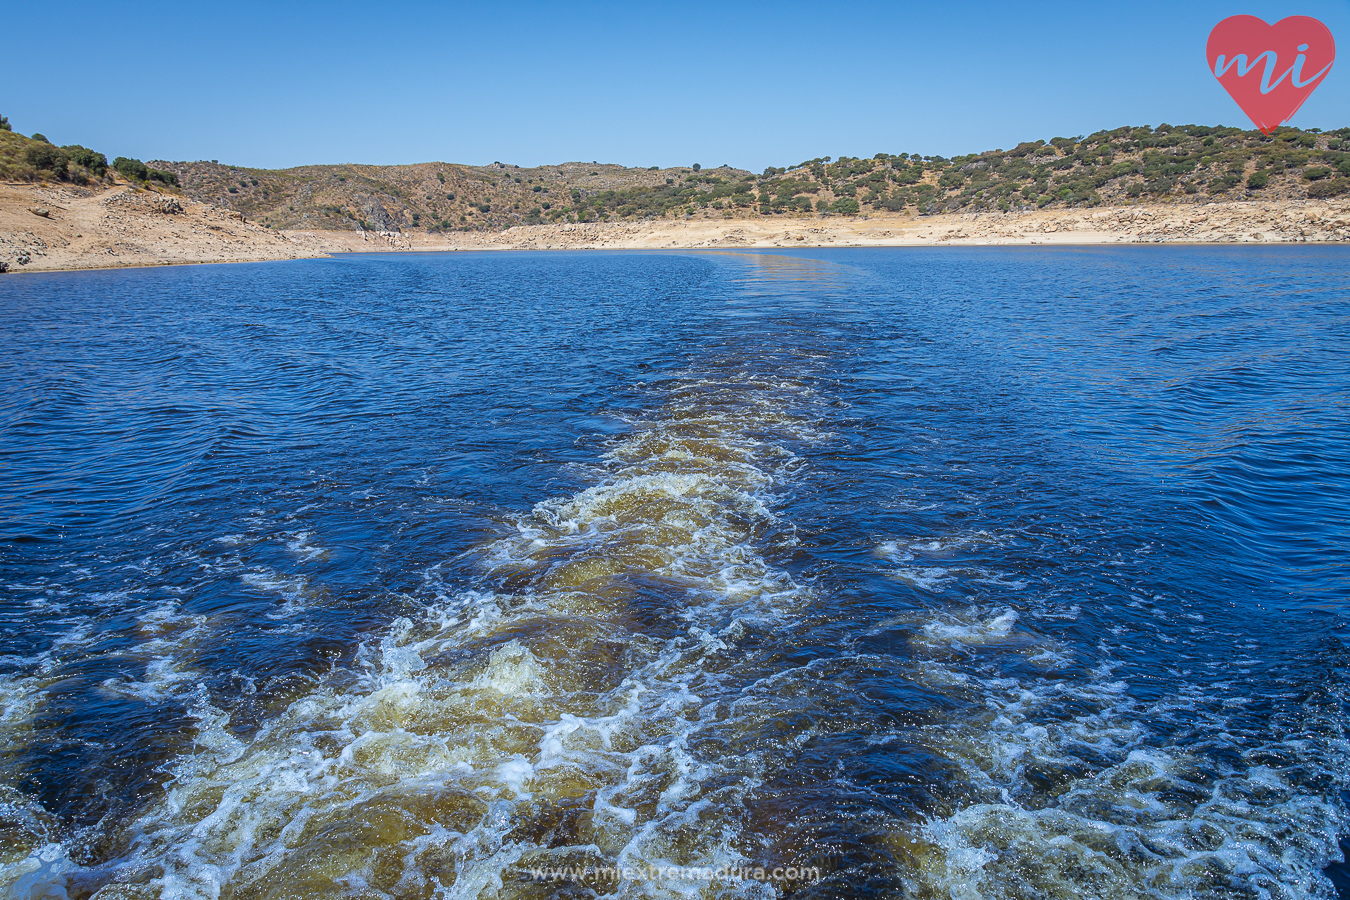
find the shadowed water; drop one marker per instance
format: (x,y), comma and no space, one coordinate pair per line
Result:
(969,573)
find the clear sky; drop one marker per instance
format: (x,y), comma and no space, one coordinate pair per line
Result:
(747,84)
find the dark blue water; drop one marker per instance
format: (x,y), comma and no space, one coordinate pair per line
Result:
(970,573)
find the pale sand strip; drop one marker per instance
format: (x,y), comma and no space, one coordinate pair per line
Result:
(1246,222)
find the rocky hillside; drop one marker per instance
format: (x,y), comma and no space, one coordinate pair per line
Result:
(61,225)
(426,196)
(1167,164)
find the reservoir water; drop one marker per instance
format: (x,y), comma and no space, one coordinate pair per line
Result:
(933,573)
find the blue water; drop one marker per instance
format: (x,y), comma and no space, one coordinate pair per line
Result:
(969,573)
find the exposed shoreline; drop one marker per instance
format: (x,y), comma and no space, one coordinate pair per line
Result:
(1252,222)
(122,227)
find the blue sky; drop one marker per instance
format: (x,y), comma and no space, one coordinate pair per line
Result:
(747,84)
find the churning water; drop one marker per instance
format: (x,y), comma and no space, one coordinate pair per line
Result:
(1006,573)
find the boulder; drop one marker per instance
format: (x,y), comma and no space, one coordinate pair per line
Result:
(40,211)
(169,205)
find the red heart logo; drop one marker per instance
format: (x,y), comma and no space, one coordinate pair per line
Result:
(1270,69)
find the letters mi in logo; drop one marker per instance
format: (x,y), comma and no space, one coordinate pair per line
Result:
(1270,69)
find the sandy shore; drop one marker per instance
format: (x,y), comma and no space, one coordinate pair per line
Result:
(47,228)
(1254,222)
(56,227)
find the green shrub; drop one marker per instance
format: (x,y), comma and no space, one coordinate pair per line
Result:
(162,177)
(40,137)
(132,169)
(896,202)
(1258,180)
(1316,173)
(91,160)
(1026,148)
(696,167)
(46,158)
(844,205)
(952,179)
(4,124)
(1333,187)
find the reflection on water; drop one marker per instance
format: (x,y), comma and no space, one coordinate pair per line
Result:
(989,574)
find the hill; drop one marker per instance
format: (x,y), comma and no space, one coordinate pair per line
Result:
(1125,166)
(436,197)
(36,159)
(69,208)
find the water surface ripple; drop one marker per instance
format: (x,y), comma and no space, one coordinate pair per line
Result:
(962,573)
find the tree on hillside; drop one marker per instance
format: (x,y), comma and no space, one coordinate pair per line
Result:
(132,169)
(4,124)
(92,160)
(46,158)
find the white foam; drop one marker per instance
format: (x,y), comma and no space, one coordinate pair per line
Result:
(1155,821)
(970,629)
(300,544)
(506,704)
(294,590)
(43,875)
(923,563)
(933,579)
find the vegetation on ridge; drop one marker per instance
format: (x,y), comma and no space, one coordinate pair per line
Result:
(1166,164)
(38,159)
